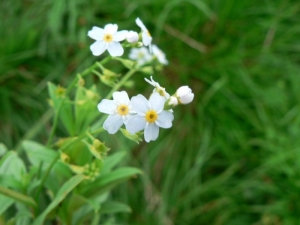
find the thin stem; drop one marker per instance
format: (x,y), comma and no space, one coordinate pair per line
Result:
(121,82)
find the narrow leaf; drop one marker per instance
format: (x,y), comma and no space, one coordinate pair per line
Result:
(111,161)
(114,207)
(109,180)
(6,202)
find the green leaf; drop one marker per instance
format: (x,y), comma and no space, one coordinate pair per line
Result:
(38,154)
(61,195)
(12,169)
(109,180)
(17,196)
(87,207)
(3,149)
(6,202)
(114,207)
(23,215)
(111,161)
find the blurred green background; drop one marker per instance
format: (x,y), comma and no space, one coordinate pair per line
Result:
(233,154)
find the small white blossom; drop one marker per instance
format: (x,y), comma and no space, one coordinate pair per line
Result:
(146,36)
(158,88)
(119,110)
(161,57)
(141,55)
(150,116)
(132,37)
(184,95)
(107,39)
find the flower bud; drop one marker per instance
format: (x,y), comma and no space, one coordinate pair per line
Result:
(132,36)
(172,101)
(184,95)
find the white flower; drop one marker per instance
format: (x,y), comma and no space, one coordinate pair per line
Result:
(161,57)
(158,88)
(119,110)
(150,116)
(141,55)
(107,39)
(146,36)
(184,95)
(132,36)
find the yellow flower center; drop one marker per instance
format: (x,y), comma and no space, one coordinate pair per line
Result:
(123,110)
(151,116)
(108,38)
(140,55)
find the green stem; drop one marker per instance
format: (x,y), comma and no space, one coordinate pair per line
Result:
(17,196)
(121,82)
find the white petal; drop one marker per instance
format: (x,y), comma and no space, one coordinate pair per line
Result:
(121,97)
(113,123)
(96,33)
(135,124)
(151,132)
(157,102)
(115,49)
(165,119)
(98,48)
(152,82)
(146,39)
(120,35)
(139,104)
(111,28)
(107,106)
(140,24)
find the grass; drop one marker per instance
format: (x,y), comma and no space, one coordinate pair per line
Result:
(232,156)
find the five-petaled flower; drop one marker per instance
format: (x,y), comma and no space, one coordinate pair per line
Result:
(119,110)
(146,36)
(150,116)
(107,39)
(158,88)
(141,55)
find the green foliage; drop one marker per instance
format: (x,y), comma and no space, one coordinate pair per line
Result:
(79,195)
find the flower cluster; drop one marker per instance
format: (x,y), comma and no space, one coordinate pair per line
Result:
(140,114)
(109,38)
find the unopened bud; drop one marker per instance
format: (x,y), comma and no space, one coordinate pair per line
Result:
(184,95)
(64,157)
(173,101)
(132,37)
